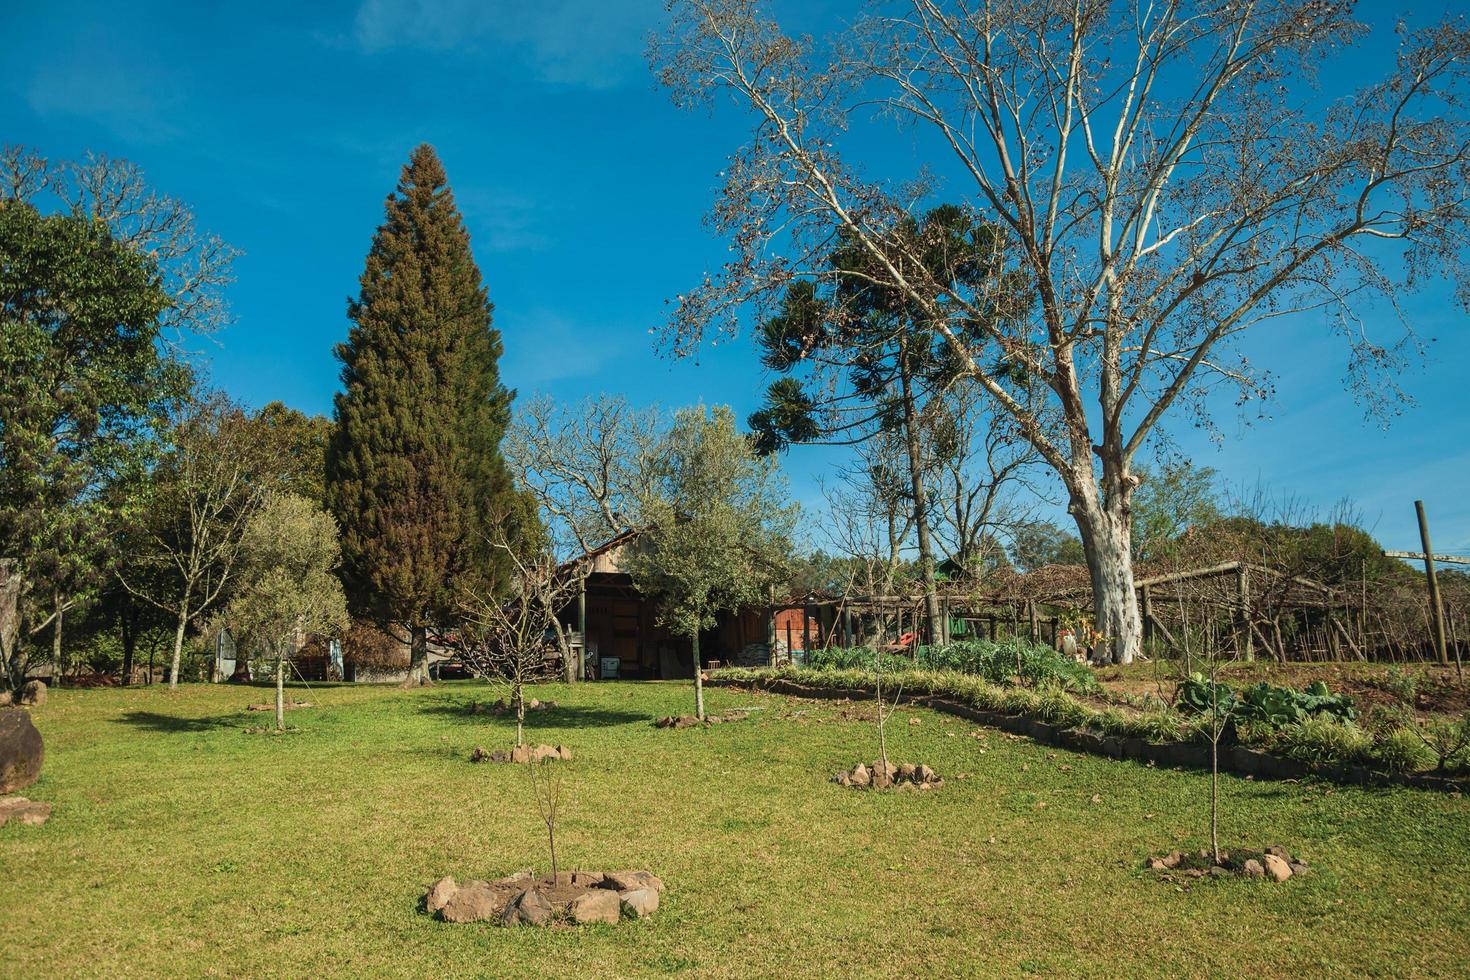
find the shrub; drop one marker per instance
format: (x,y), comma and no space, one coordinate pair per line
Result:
(1057,708)
(1263,702)
(1324,738)
(1402,750)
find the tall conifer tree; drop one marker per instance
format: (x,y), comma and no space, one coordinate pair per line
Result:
(414,472)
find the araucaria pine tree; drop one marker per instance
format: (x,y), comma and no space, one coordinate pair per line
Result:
(414,472)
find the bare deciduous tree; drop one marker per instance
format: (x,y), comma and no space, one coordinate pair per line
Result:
(207,488)
(509,632)
(195,265)
(1166,181)
(585,465)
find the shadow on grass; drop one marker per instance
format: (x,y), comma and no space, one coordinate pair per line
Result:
(562,717)
(155,722)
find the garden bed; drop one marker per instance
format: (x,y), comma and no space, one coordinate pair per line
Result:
(1245,760)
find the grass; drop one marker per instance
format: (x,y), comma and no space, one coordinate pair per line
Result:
(182,844)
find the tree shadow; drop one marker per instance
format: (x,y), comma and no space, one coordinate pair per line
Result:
(155,722)
(560,718)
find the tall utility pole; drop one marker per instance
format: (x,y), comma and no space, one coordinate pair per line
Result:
(1436,610)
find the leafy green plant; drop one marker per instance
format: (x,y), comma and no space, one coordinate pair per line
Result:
(1325,738)
(1265,703)
(1402,750)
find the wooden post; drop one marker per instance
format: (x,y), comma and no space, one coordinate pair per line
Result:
(771,633)
(1243,594)
(1436,610)
(1146,604)
(581,671)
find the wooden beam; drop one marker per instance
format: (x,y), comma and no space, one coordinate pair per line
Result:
(1439,559)
(1436,610)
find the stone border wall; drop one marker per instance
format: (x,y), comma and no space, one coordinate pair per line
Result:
(1192,755)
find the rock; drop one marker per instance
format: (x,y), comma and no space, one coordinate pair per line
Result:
(1172,859)
(626,881)
(1277,867)
(860,775)
(1216,871)
(1298,867)
(529,908)
(535,704)
(1280,852)
(1154,864)
(842,779)
(564,753)
(1254,869)
(21,750)
(479,755)
(598,905)
(591,879)
(474,901)
(639,902)
(6,698)
(885,768)
(513,879)
(906,771)
(34,693)
(915,721)
(440,893)
(521,753)
(925,775)
(22,810)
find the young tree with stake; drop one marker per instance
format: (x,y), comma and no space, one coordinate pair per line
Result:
(718,529)
(290,585)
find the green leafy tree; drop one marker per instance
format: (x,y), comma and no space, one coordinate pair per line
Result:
(81,379)
(858,360)
(290,587)
(1166,505)
(414,469)
(719,528)
(1042,543)
(299,445)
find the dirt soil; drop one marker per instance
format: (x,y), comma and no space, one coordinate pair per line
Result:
(1439,691)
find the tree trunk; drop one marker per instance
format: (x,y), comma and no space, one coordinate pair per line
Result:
(1107,541)
(280,689)
(921,501)
(518,700)
(418,656)
(11,582)
(128,626)
(698,678)
(173,677)
(58,668)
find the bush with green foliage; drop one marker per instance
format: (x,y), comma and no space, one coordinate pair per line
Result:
(1263,702)
(1325,738)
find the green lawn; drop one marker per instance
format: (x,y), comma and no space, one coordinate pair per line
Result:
(182,844)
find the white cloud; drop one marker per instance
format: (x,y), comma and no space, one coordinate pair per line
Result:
(591,43)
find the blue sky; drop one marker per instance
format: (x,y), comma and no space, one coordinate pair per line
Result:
(584,189)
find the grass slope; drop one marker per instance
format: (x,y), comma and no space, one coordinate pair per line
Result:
(181,844)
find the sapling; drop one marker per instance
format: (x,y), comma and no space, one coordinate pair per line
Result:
(546,787)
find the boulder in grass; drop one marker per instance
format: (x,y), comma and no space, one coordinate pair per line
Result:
(639,902)
(21,750)
(1277,867)
(529,908)
(597,905)
(474,901)
(623,881)
(34,693)
(440,893)
(1254,869)
(22,810)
